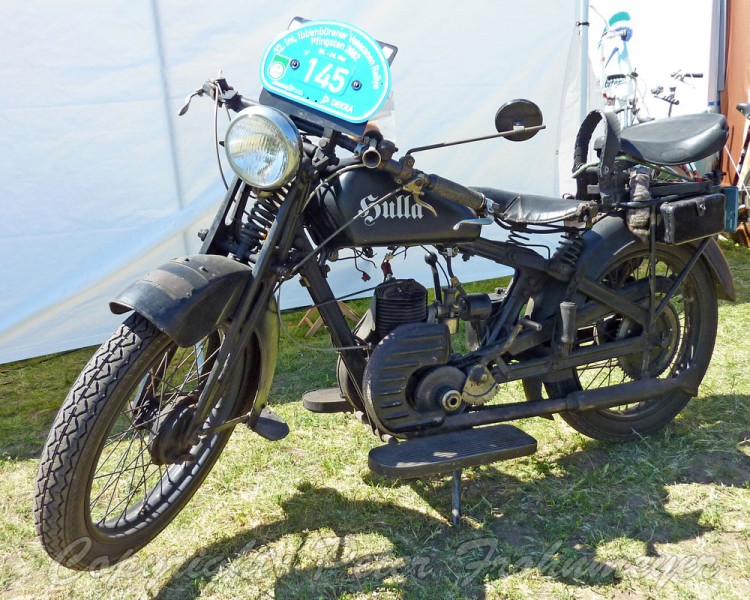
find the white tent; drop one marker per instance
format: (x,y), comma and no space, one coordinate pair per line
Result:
(100,181)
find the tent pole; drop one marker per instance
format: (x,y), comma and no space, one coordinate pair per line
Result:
(583,23)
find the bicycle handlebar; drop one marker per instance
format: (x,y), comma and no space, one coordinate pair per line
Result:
(680,76)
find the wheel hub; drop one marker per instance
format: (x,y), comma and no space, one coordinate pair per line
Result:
(664,340)
(170,442)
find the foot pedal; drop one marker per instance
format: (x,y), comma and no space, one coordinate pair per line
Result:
(451,451)
(327,400)
(271,426)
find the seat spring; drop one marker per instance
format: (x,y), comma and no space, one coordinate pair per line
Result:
(568,250)
(515,237)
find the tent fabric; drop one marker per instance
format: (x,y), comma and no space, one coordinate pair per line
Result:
(100,181)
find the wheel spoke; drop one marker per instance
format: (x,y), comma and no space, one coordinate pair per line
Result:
(674,340)
(134,478)
(132,488)
(116,481)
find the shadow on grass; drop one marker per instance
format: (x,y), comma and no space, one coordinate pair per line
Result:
(338,565)
(553,521)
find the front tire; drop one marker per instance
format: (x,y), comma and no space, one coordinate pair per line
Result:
(685,332)
(114,471)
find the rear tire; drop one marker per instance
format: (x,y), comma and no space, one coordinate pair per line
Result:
(100,494)
(686,328)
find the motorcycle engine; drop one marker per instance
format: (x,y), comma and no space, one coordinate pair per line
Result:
(395,302)
(407,382)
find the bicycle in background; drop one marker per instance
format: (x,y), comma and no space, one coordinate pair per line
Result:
(670,98)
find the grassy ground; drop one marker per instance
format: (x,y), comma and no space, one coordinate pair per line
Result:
(665,517)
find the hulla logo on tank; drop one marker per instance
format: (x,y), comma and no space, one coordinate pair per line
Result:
(401,207)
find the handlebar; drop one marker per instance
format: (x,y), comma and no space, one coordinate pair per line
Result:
(404,170)
(680,76)
(450,190)
(455,192)
(220,91)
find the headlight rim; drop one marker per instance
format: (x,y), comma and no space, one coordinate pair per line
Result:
(289,135)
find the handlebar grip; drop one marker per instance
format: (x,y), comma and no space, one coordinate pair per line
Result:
(455,192)
(694,75)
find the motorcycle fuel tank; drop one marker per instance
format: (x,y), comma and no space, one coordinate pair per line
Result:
(397,221)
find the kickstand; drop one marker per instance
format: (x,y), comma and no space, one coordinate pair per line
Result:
(456,513)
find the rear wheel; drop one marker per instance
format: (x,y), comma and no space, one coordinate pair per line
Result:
(682,338)
(117,466)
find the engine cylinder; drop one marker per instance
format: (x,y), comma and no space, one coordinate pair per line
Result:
(399,301)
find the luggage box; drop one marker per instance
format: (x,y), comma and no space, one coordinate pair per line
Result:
(692,218)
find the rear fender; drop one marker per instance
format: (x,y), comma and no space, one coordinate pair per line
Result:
(611,236)
(603,243)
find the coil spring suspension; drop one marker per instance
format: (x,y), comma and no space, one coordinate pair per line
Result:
(258,221)
(566,255)
(519,239)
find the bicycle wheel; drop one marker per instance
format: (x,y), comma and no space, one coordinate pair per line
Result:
(682,338)
(116,467)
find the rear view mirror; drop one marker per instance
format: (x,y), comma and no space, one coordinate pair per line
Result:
(518,114)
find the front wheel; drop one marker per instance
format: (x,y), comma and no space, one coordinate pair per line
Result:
(117,466)
(682,338)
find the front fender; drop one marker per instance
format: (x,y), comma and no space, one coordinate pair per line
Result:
(187,297)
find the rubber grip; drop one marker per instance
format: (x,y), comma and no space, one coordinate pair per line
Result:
(455,192)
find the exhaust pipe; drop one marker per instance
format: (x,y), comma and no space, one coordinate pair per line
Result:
(616,395)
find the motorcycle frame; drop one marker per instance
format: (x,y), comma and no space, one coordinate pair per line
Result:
(287,244)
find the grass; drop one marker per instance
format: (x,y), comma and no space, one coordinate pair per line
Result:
(665,517)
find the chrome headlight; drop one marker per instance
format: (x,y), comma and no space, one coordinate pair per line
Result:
(264,147)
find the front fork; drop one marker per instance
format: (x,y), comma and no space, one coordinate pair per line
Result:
(267,273)
(286,233)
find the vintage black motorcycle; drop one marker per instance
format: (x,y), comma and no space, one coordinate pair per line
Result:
(613,330)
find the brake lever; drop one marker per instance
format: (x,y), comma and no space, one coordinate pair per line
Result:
(189,99)
(215,88)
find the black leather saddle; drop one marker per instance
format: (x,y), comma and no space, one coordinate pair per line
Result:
(676,140)
(526,209)
(673,141)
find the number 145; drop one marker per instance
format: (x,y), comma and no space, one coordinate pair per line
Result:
(328,78)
